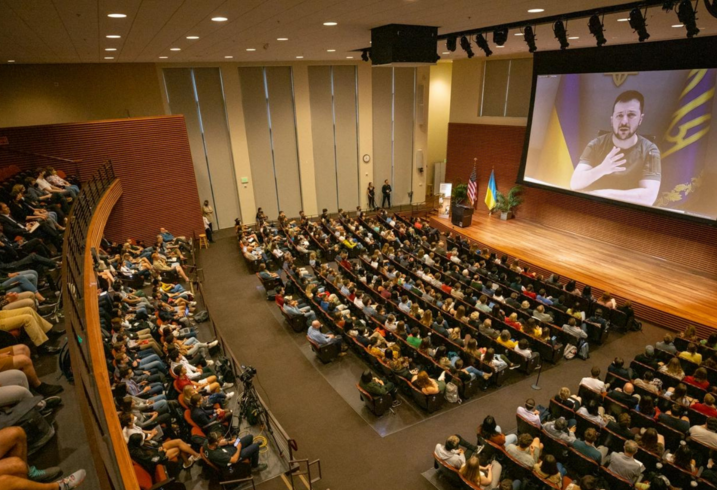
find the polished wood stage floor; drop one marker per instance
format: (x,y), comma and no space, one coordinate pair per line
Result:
(663,293)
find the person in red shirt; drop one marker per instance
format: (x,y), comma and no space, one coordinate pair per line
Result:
(208,384)
(512,320)
(279,298)
(707,407)
(699,379)
(529,292)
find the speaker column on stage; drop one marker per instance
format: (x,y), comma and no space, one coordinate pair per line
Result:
(462,215)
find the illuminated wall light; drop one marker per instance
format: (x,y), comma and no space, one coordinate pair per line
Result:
(219,19)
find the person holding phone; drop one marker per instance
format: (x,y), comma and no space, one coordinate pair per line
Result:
(224,452)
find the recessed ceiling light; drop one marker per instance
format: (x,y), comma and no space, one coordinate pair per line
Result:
(499,46)
(11,61)
(330,24)
(109,57)
(624,19)
(299,57)
(330,50)
(229,57)
(446,52)
(250,49)
(678,25)
(113,36)
(574,37)
(192,37)
(110,49)
(175,49)
(117,16)
(163,57)
(282,38)
(349,57)
(535,11)
(219,19)
(518,34)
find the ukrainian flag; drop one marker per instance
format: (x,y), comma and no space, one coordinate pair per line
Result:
(491,191)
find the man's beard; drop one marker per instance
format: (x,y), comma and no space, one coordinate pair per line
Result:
(619,135)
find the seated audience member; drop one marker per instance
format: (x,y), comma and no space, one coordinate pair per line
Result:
(625,396)
(678,394)
(540,315)
(320,338)
(223,453)
(705,434)
(490,431)
(453,452)
(527,451)
(673,368)
(594,382)
(376,386)
(646,406)
(587,482)
(649,382)
(291,308)
(18,357)
(586,446)
(683,458)
(648,358)
(667,344)
(564,397)
(482,471)
(623,426)
(428,385)
(690,334)
(617,367)
(624,464)
(607,300)
(651,441)
(691,354)
(675,418)
(698,379)
(707,407)
(592,411)
(16,474)
(549,469)
(558,429)
(573,329)
(36,327)
(529,412)
(206,417)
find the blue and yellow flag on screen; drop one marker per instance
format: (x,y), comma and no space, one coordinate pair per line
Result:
(685,145)
(491,191)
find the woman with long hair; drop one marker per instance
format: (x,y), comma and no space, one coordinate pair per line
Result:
(651,441)
(673,368)
(646,406)
(427,385)
(549,469)
(478,470)
(427,318)
(491,431)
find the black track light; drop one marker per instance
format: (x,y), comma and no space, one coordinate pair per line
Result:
(686,14)
(529,36)
(500,36)
(466,46)
(561,34)
(451,44)
(366,54)
(596,29)
(639,25)
(483,44)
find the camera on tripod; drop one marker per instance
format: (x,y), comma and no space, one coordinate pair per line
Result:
(248,374)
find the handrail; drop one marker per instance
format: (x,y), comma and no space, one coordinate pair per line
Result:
(84,233)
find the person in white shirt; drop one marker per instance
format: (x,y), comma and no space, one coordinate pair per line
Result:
(523,348)
(594,382)
(529,412)
(705,434)
(451,453)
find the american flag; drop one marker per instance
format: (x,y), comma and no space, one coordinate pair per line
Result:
(473,185)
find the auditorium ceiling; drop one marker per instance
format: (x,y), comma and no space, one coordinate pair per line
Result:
(75,31)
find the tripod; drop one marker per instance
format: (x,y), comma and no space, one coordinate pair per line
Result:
(250,406)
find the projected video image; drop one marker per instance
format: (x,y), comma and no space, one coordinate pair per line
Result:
(645,138)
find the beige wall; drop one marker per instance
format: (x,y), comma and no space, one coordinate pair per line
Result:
(439,109)
(466,89)
(49,94)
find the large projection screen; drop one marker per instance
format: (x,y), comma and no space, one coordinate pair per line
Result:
(633,125)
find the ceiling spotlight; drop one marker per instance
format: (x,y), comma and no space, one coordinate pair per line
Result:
(500,36)
(535,11)
(192,37)
(686,14)
(113,36)
(446,52)
(175,49)
(299,57)
(466,46)
(561,34)
(451,44)
(219,19)
(483,44)
(349,57)
(110,49)
(639,25)
(250,49)
(116,16)
(518,34)
(625,19)
(228,57)
(330,50)
(282,38)
(366,54)
(529,36)
(595,24)
(330,24)
(163,57)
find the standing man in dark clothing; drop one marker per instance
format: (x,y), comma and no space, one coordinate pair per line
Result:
(386,190)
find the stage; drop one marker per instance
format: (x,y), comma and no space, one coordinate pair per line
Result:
(662,293)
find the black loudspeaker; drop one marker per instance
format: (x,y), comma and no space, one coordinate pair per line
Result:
(399,44)
(462,216)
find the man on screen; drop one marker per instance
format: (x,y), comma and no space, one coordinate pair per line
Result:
(622,165)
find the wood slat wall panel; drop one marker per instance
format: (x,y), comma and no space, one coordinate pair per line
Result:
(151,157)
(690,244)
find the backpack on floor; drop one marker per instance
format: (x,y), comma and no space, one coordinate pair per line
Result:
(65,363)
(452,393)
(570,351)
(584,351)
(271,295)
(201,317)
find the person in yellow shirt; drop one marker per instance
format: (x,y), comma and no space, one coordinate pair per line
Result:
(506,341)
(691,354)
